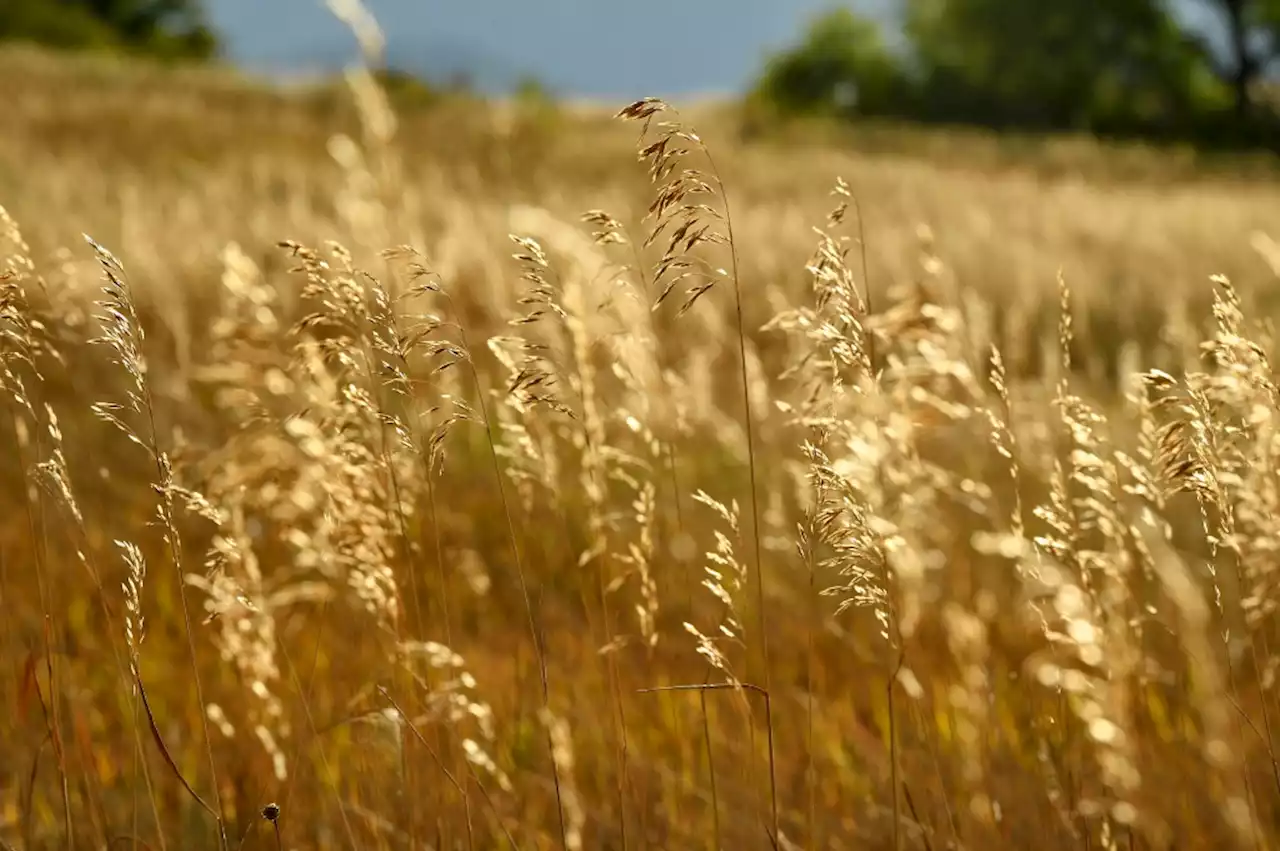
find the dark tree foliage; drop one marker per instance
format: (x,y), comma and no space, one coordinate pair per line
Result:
(1120,67)
(161,28)
(1251,31)
(843,67)
(1069,63)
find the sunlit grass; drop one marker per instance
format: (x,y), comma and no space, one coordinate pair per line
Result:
(429,536)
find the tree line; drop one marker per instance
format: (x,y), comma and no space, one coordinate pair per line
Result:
(1110,67)
(169,29)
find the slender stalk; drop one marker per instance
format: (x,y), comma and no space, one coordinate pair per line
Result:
(446,613)
(618,715)
(84,550)
(738,688)
(810,666)
(893,753)
(315,735)
(174,542)
(711,771)
(519,561)
(489,800)
(669,453)
(748,424)
(371,355)
(425,460)
(1266,713)
(40,549)
(866,283)
(918,717)
(125,335)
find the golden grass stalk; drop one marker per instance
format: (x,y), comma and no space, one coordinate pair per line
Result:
(122,333)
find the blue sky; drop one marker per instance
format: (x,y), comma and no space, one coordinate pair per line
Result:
(615,49)
(587,48)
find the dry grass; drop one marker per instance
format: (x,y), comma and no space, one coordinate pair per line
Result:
(450,479)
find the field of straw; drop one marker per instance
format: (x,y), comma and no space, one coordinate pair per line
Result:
(381,476)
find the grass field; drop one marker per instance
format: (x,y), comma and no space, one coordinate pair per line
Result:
(475,476)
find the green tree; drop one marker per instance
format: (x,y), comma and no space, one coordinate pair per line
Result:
(1252,29)
(167,28)
(1069,63)
(841,66)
